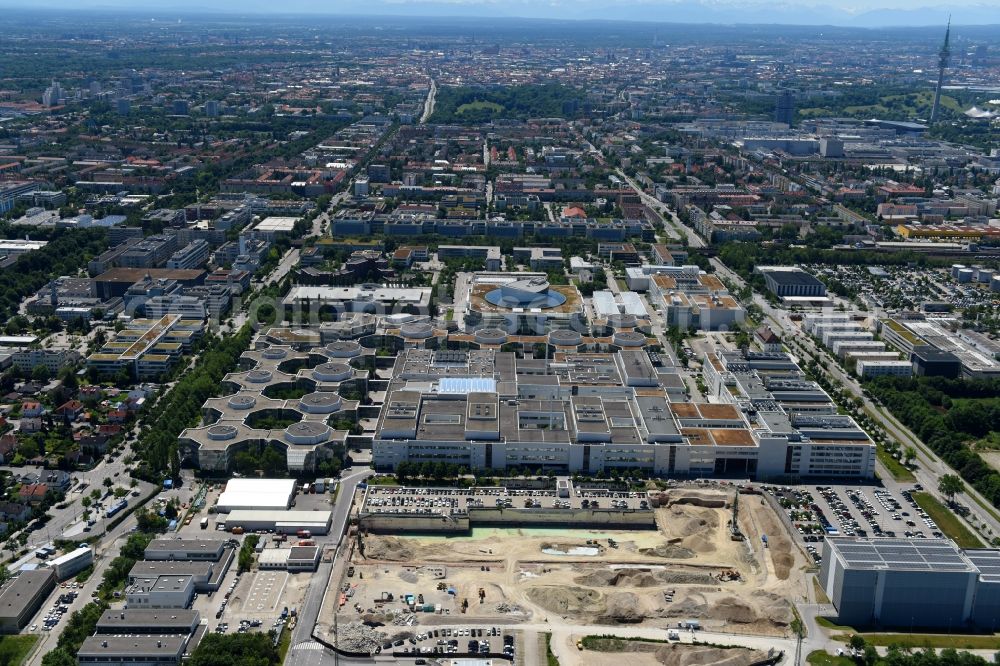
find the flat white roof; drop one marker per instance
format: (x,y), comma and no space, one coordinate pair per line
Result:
(277,224)
(274,556)
(279,517)
(82,551)
(257,493)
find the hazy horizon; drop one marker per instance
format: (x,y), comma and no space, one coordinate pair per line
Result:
(850,13)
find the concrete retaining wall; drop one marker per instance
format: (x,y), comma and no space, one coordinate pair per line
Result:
(572,518)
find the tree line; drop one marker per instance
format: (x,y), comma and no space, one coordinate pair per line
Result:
(180,408)
(947,414)
(67,252)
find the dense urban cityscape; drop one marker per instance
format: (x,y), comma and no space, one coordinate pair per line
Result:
(465,341)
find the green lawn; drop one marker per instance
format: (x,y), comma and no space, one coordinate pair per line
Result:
(957,641)
(15,649)
(550,658)
(895,468)
(947,521)
(822,658)
(479,106)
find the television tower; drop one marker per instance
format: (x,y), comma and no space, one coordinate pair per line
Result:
(943,57)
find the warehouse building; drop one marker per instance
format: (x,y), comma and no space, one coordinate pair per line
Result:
(185,549)
(295,559)
(146,621)
(260,494)
(911,583)
(106,650)
(22,596)
(281,522)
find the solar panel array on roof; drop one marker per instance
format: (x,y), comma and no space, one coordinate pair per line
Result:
(465,385)
(926,555)
(987,561)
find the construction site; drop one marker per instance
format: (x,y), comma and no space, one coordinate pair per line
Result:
(697,568)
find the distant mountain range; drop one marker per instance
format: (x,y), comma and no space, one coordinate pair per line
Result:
(726,12)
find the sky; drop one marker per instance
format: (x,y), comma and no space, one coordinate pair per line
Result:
(860,13)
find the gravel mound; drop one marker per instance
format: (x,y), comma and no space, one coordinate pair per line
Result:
(668,550)
(567,600)
(356,637)
(623,607)
(388,548)
(619,578)
(687,655)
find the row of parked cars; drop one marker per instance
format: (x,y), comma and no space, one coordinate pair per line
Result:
(446,641)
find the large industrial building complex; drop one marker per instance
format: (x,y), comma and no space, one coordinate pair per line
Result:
(911,583)
(614,412)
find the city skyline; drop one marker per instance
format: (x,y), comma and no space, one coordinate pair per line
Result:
(880,14)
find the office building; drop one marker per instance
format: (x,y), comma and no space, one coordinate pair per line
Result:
(193,255)
(784,108)
(151,252)
(878,368)
(185,549)
(929,361)
(52,360)
(147,348)
(163,591)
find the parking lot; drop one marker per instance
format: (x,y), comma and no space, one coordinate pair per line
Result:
(447,501)
(483,640)
(852,510)
(52,613)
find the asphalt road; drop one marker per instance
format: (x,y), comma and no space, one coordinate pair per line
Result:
(429,102)
(930,468)
(305,651)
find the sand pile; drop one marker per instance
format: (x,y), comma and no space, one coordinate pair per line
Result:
(687,655)
(641,577)
(566,600)
(775,608)
(686,578)
(686,607)
(619,578)
(668,550)
(731,609)
(387,548)
(623,607)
